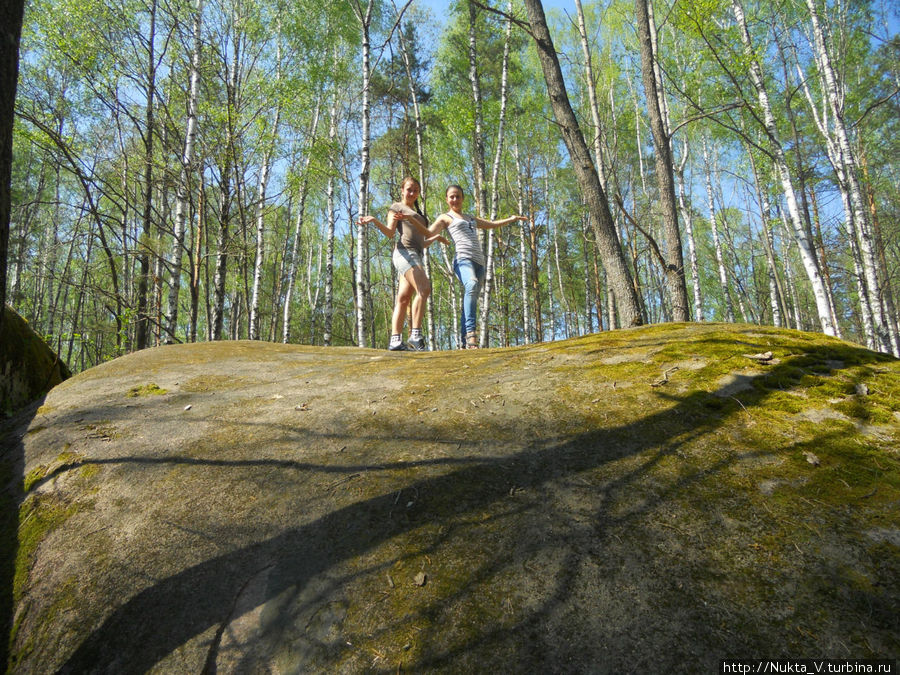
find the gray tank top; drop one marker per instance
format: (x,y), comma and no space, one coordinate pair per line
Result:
(465,238)
(409,238)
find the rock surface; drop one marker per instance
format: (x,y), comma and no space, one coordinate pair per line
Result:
(612,503)
(28,367)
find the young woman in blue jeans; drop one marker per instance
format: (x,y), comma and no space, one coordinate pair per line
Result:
(469,263)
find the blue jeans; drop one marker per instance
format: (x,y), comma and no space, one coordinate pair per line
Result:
(471,274)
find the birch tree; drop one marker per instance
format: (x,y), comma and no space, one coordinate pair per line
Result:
(330,218)
(187,159)
(301,211)
(720,257)
(845,162)
(804,245)
(687,216)
(495,177)
(364,16)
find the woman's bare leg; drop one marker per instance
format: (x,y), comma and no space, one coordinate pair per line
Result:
(419,281)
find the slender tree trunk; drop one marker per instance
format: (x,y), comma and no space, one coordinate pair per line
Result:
(789,271)
(159,263)
(227,196)
(187,160)
(889,303)
(260,246)
(329,235)
(218,309)
(807,254)
(478,137)
(535,272)
(664,165)
(851,165)
(776,293)
(142,337)
(261,203)
(77,319)
(689,233)
(362,262)
(195,260)
(520,199)
(563,301)
(823,260)
(587,279)
(589,181)
(495,177)
(298,225)
(720,260)
(592,98)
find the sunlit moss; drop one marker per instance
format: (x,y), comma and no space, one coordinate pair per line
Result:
(146,390)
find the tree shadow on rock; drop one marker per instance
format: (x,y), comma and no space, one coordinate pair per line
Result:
(140,633)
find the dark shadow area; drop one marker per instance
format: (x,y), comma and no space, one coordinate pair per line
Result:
(12,465)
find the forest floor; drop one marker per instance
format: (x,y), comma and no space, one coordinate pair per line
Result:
(647,500)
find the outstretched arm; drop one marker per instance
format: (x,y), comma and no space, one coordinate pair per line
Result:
(430,240)
(388,230)
(490,224)
(435,229)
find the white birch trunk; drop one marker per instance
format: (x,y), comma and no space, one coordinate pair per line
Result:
(848,158)
(298,226)
(329,236)
(523,231)
(720,259)
(478,137)
(260,236)
(689,234)
(597,144)
(495,178)
(362,259)
(765,208)
(187,159)
(804,245)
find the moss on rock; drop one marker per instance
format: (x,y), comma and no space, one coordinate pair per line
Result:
(648,499)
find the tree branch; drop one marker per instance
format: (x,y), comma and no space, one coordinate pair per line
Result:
(524,25)
(653,245)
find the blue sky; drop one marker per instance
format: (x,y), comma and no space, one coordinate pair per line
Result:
(440,7)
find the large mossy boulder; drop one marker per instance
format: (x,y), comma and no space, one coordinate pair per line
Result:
(28,367)
(646,500)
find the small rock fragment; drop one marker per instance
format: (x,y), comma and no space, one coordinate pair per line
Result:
(811,458)
(420,579)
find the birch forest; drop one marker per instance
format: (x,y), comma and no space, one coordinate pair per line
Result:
(193,170)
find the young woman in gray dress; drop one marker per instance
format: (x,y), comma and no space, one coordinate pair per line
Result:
(406,219)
